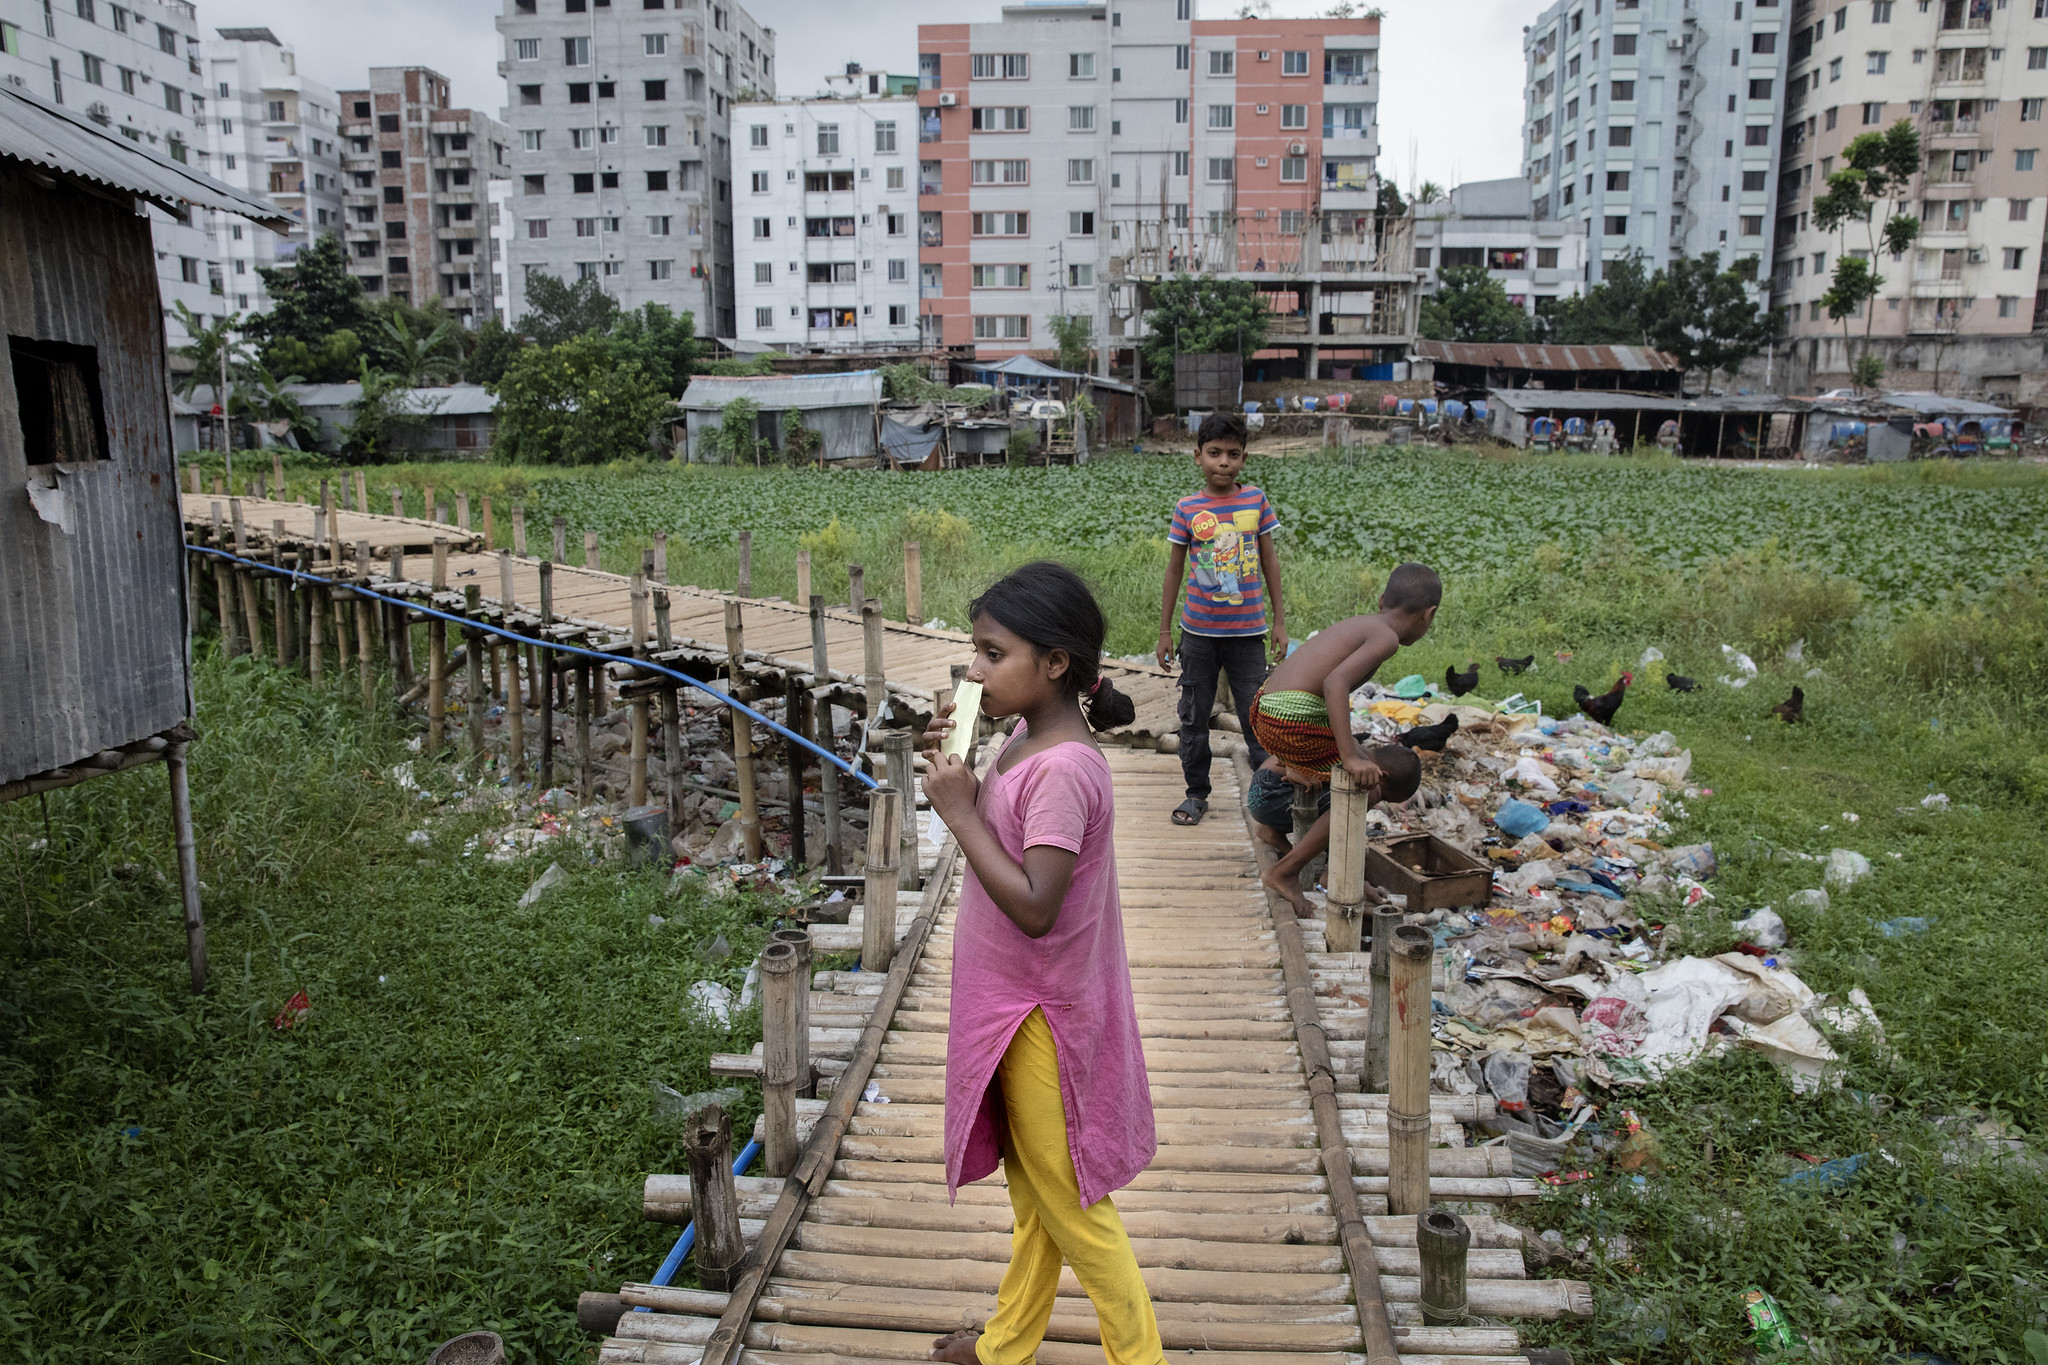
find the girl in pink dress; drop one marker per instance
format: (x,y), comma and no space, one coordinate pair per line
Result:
(1044,1069)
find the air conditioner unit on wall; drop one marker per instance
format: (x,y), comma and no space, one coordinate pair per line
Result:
(1297,148)
(1265,56)
(947,99)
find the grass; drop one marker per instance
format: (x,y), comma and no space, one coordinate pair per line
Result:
(477,1120)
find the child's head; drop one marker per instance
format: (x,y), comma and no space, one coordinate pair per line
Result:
(1039,627)
(1219,447)
(1400,771)
(1411,596)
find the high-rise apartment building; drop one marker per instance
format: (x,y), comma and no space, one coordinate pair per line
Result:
(1972,77)
(134,68)
(1656,123)
(1073,154)
(1490,225)
(621,146)
(825,222)
(417,194)
(276,134)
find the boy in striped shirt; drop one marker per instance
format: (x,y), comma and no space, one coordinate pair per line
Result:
(1221,549)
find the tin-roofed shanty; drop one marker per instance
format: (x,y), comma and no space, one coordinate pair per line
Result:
(1460,366)
(844,410)
(1735,426)
(94,663)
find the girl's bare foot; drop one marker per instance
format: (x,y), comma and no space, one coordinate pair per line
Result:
(957,1347)
(1284,887)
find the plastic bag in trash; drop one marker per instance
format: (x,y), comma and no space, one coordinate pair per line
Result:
(1815,899)
(1904,925)
(713,999)
(1507,1076)
(546,882)
(1764,928)
(1519,818)
(673,1109)
(1744,667)
(1846,867)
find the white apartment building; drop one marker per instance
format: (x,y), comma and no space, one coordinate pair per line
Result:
(133,67)
(1972,77)
(1491,224)
(499,193)
(1075,152)
(621,158)
(276,134)
(824,218)
(1656,123)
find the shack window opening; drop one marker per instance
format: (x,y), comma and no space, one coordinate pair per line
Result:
(57,392)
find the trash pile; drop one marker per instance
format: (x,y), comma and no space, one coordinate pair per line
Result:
(1562,981)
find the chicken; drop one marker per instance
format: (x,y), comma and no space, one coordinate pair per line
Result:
(1678,682)
(1430,738)
(1602,707)
(1792,710)
(1461,683)
(1520,665)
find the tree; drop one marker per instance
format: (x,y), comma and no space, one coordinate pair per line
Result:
(664,342)
(265,397)
(205,348)
(1428,192)
(1609,313)
(418,350)
(496,344)
(1471,305)
(1074,334)
(1877,168)
(1198,315)
(1707,316)
(313,299)
(385,413)
(557,311)
(582,401)
(1391,205)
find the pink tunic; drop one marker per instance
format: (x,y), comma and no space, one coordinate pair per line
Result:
(1078,974)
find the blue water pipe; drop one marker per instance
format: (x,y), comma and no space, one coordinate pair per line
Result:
(674,1261)
(723,698)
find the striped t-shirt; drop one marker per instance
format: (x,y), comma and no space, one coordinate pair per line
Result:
(1224,593)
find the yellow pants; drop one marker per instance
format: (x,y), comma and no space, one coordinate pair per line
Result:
(1051,1225)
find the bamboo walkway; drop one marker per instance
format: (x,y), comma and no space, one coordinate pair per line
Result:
(1234,1222)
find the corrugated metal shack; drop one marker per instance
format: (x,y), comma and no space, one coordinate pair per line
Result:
(845,409)
(94,666)
(1468,368)
(1737,426)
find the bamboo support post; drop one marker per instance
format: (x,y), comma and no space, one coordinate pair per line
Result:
(316,645)
(515,716)
(364,655)
(794,756)
(544,676)
(637,603)
(507,601)
(1346,878)
(1379,999)
(224,592)
(1408,1074)
(586,774)
(277,472)
(647,563)
(803,577)
(913,583)
(659,549)
(280,597)
(362,492)
(590,557)
(519,529)
(785,1053)
(333,526)
(1443,1238)
(636,773)
(799,938)
(319,532)
(746,574)
(188,862)
(497,684)
(878,907)
(856,587)
(462,511)
(742,733)
(220,487)
(252,609)
(490,527)
(338,598)
(876,682)
(561,530)
(397,502)
(476,701)
(821,706)
(427,503)
(437,656)
(714,1199)
(897,746)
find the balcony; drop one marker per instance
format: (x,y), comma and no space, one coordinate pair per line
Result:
(1335,134)
(931,237)
(1955,127)
(1965,15)
(928,129)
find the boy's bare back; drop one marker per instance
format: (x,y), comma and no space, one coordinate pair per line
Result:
(1311,665)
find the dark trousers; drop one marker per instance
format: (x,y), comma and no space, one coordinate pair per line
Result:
(1202,659)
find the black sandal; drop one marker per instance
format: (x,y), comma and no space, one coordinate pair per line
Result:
(1190,811)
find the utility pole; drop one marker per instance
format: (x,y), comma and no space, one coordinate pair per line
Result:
(220,395)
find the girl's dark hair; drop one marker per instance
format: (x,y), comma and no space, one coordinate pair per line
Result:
(1047,605)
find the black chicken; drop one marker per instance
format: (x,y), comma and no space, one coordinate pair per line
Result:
(1520,665)
(1461,683)
(1430,738)
(1792,710)
(1602,707)
(1678,682)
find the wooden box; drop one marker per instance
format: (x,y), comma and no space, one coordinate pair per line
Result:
(1432,874)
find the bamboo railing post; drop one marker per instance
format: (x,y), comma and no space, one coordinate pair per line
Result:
(316,625)
(193,470)
(671,718)
(784,1053)
(437,655)
(897,747)
(1443,1238)
(878,906)
(913,583)
(280,596)
(799,938)
(1346,878)
(427,503)
(875,680)
(746,575)
(338,598)
(658,548)
(742,732)
(519,529)
(476,701)
(188,863)
(252,610)
(323,515)
(490,528)
(794,756)
(544,676)
(462,511)
(803,578)
(515,716)
(714,1199)
(647,563)
(319,533)
(397,502)
(1408,1075)
(333,525)
(1379,1003)
(821,706)
(561,530)
(223,585)
(856,587)
(590,557)
(586,775)
(636,773)
(362,492)
(363,654)
(277,472)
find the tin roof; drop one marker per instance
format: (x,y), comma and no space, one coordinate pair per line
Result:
(34,131)
(1508,356)
(852,388)
(1594,400)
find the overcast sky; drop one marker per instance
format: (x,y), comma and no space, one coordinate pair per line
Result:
(1450,96)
